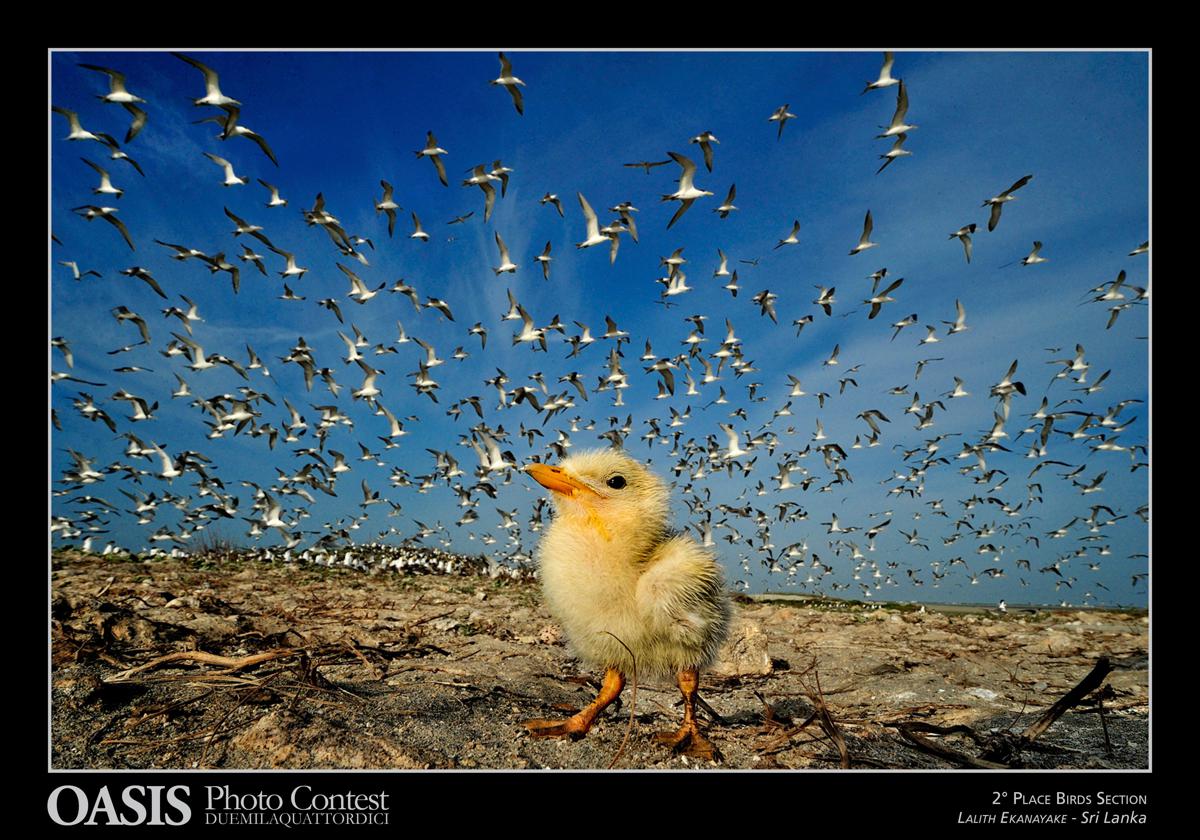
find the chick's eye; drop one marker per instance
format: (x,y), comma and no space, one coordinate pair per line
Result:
(616,482)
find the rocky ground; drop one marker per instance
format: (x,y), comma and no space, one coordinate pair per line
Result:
(195,663)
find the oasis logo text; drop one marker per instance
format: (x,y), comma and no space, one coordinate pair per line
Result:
(137,805)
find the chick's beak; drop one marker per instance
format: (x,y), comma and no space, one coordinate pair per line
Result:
(558,480)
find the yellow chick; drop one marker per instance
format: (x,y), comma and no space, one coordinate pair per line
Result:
(622,582)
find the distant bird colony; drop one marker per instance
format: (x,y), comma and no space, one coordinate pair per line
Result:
(747,444)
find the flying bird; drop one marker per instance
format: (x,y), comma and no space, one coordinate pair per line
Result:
(781,116)
(727,205)
(960,322)
(502,172)
(864,241)
(106,187)
(885,75)
(212,87)
(895,152)
(75,272)
(275,200)
(647,164)
(876,302)
(506,263)
(732,286)
(964,235)
(898,126)
(706,140)
(358,289)
(109,214)
(144,275)
(626,211)
(78,132)
(418,231)
(510,82)
(481,179)
(911,320)
(723,268)
(793,237)
(544,258)
(997,202)
(548,198)
(825,299)
(388,205)
(122,313)
(290,269)
(1034,258)
(434,152)
(230,127)
(687,192)
(594,236)
(231,179)
(766,301)
(118,93)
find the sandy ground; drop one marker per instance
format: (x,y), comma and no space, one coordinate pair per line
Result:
(278,666)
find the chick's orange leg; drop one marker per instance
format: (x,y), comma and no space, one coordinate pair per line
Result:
(577,725)
(688,739)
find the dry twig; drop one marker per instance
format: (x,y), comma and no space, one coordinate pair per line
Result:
(229,662)
(632,704)
(944,752)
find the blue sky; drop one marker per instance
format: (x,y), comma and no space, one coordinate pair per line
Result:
(339,122)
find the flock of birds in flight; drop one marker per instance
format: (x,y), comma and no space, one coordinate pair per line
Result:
(153,475)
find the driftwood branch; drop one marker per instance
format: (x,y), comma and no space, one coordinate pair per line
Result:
(999,751)
(231,663)
(961,759)
(934,729)
(1008,748)
(1085,687)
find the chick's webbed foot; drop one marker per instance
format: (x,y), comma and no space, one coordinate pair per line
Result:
(689,740)
(574,727)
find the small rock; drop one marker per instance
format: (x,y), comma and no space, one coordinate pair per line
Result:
(744,652)
(266,737)
(551,634)
(982,693)
(1055,643)
(82,691)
